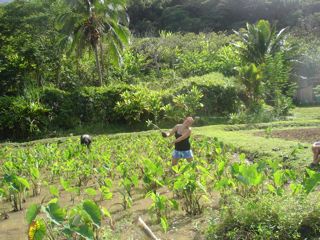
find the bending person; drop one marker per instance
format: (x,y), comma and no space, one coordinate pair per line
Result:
(316,154)
(182,133)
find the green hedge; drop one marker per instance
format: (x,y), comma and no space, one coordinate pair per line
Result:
(22,118)
(85,105)
(220,96)
(126,104)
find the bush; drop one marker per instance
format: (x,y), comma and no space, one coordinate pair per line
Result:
(257,113)
(267,217)
(21,118)
(220,96)
(62,107)
(140,105)
(183,105)
(96,104)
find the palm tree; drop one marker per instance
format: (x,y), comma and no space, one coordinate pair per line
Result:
(88,22)
(259,40)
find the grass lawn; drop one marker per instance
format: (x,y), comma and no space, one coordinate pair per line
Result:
(295,153)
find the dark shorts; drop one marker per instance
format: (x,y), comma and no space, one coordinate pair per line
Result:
(182,154)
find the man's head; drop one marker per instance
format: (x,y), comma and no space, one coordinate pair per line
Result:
(188,121)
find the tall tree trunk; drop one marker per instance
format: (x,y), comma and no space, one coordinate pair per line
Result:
(95,48)
(101,57)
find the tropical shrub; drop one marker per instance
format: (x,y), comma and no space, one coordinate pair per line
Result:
(220,94)
(266,217)
(21,118)
(61,105)
(185,104)
(140,105)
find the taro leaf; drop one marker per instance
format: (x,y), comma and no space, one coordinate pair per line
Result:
(164,224)
(91,191)
(32,213)
(85,232)
(2,192)
(105,191)
(311,181)
(20,183)
(249,175)
(106,212)
(54,191)
(76,220)
(41,230)
(108,182)
(35,172)
(278,178)
(65,184)
(223,183)
(135,180)
(175,204)
(93,211)
(221,168)
(55,213)
(37,230)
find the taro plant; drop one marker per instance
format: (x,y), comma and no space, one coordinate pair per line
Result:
(249,177)
(35,180)
(161,207)
(128,180)
(66,184)
(189,186)
(79,222)
(16,187)
(152,175)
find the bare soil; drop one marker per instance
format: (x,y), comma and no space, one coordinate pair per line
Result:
(125,222)
(308,135)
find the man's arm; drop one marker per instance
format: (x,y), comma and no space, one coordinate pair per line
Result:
(183,137)
(172,132)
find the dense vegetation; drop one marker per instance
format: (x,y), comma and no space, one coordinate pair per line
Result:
(75,65)
(150,16)
(254,198)
(52,72)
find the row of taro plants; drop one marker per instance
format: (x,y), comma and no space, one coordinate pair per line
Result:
(126,165)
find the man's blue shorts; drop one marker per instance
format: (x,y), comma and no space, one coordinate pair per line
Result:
(182,154)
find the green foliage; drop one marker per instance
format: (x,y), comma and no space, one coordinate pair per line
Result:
(215,15)
(21,118)
(266,217)
(191,186)
(32,213)
(251,77)
(161,207)
(185,104)
(88,23)
(141,105)
(220,95)
(83,220)
(259,40)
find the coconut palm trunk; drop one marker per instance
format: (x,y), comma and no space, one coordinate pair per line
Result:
(95,49)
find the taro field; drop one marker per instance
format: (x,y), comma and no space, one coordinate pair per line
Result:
(62,190)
